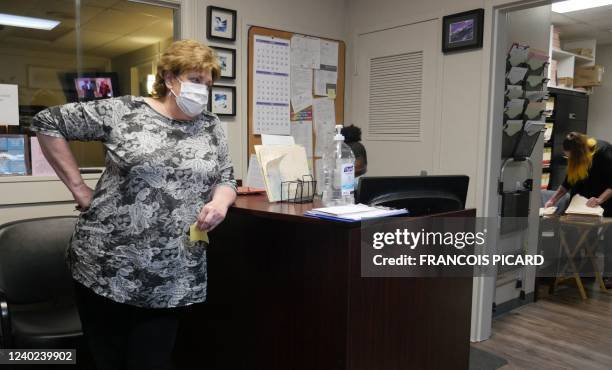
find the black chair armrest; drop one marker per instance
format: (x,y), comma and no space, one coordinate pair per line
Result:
(6,333)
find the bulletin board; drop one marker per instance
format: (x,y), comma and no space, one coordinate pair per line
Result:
(255,139)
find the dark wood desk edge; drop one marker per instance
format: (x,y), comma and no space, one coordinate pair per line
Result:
(258,205)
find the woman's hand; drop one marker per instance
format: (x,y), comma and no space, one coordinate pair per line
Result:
(211,215)
(550,203)
(593,202)
(83,195)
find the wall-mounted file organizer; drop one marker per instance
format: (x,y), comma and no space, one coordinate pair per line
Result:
(511,137)
(529,137)
(520,137)
(514,209)
(525,100)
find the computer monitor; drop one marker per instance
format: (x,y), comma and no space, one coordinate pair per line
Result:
(420,195)
(91,86)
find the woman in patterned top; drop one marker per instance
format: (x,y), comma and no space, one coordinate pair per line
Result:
(167,167)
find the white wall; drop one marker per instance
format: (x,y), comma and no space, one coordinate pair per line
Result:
(323,18)
(36,73)
(467,133)
(460,80)
(599,124)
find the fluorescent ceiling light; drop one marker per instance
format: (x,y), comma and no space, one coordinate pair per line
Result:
(574,5)
(27,22)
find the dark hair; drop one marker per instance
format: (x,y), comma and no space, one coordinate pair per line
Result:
(577,144)
(352,134)
(581,149)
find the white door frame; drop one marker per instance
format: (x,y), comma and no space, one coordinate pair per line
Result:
(484,287)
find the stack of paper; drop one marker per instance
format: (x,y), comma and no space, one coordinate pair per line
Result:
(281,163)
(353,212)
(547,211)
(578,206)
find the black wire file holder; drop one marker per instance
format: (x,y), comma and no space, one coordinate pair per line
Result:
(299,191)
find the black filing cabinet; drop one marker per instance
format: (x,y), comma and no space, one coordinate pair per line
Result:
(570,114)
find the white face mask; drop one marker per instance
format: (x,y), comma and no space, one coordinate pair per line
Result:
(193,98)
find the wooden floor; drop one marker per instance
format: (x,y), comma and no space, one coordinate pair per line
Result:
(556,332)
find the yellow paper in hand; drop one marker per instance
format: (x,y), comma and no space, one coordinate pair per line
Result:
(196,234)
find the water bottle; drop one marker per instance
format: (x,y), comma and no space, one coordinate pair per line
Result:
(338,173)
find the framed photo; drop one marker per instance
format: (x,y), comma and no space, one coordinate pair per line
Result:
(14,155)
(222,100)
(221,24)
(462,31)
(227,60)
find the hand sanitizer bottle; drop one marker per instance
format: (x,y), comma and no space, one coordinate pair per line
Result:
(338,173)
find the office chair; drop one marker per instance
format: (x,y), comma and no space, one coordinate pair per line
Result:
(36,290)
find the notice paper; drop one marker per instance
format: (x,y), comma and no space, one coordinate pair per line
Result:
(324,116)
(514,108)
(318,172)
(513,126)
(516,75)
(301,88)
(305,51)
(548,211)
(518,54)
(277,139)
(254,175)
(271,85)
(329,55)
(302,133)
(40,166)
(9,105)
(324,81)
(195,234)
(533,127)
(303,115)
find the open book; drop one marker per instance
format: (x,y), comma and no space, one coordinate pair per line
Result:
(578,206)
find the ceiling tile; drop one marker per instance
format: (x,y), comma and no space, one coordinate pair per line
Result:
(155,32)
(89,40)
(118,22)
(589,15)
(153,10)
(115,48)
(17,7)
(101,3)
(561,20)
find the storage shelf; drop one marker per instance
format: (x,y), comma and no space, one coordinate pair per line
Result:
(562,54)
(568,89)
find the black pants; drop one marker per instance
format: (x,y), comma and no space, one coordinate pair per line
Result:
(125,337)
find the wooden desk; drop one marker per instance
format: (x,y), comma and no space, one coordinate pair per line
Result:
(285,292)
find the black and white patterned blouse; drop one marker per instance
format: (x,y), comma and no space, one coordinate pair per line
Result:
(132,244)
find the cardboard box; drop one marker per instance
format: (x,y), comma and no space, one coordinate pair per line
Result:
(565,82)
(588,75)
(585,52)
(556,38)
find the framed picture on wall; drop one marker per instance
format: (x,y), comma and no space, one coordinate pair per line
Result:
(227,60)
(220,24)
(222,100)
(462,31)
(14,155)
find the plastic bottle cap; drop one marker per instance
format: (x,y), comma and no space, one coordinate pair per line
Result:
(339,136)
